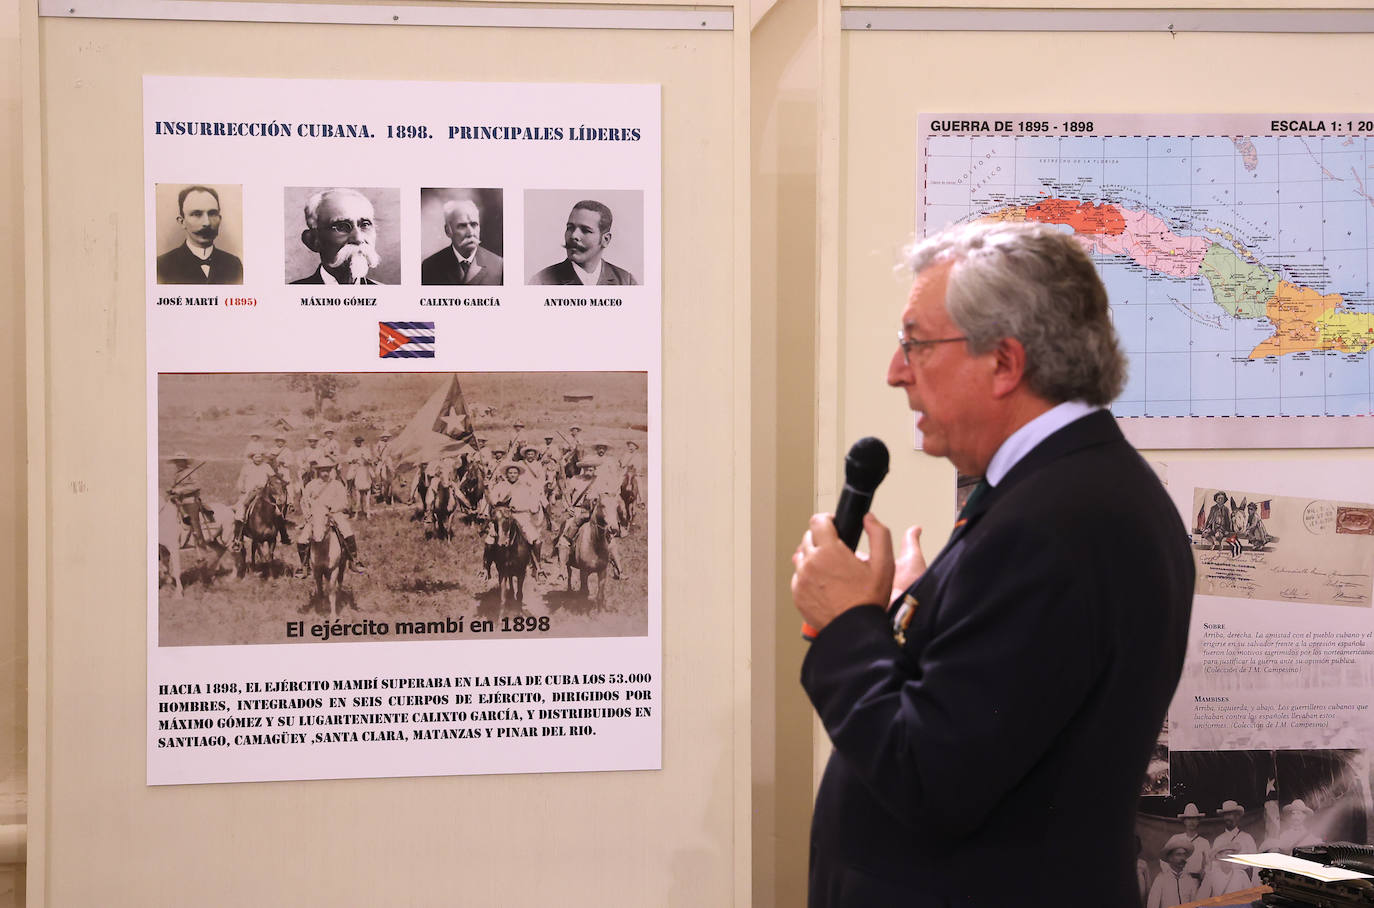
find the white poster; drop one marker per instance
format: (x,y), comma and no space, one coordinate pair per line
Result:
(1268,739)
(403,428)
(1234,248)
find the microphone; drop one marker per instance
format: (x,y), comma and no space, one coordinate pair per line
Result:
(864,467)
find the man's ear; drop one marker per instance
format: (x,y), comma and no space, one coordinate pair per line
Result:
(1009,366)
(605,239)
(308,238)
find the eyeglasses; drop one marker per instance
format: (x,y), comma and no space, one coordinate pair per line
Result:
(910,344)
(345,227)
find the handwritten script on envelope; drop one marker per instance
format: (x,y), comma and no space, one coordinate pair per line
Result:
(1250,545)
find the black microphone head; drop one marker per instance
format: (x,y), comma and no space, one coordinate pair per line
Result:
(866,464)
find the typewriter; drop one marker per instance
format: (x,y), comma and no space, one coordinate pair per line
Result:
(1292,890)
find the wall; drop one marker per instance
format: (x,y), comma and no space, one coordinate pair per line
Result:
(784,79)
(13,611)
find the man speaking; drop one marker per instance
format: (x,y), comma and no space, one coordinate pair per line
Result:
(992,714)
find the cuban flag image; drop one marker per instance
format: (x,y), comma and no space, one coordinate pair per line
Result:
(406,340)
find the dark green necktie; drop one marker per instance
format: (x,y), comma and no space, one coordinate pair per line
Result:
(978,492)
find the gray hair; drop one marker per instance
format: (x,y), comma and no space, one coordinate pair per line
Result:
(312,204)
(1036,284)
(451,206)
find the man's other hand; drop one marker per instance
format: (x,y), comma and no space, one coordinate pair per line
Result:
(829,579)
(911,564)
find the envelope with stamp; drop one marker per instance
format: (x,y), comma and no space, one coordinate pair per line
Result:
(1251,545)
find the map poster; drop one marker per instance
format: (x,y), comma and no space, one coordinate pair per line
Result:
(1236,252)
(404,373)
(1269,734)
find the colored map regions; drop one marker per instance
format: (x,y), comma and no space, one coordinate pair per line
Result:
(1303,319)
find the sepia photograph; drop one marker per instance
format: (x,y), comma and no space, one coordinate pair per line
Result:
(461,237)
(584,237)
(439,503)
(1244,802)
(341,235)
(199,233)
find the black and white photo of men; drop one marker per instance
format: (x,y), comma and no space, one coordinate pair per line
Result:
(197,257)
(468,223)
(350,236)
(596,227)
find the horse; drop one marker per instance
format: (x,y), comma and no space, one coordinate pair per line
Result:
(440,511)
(328,564)
(263,520)
(591,549)
(178,531)
(169,546)
(472,488)
(511,553)
(629,496)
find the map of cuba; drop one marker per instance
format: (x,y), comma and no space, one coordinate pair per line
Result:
(1237,266)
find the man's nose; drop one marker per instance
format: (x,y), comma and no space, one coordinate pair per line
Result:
(898,372)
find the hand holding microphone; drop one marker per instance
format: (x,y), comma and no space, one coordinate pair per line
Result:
(828,577)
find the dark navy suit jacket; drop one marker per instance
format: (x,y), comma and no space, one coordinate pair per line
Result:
(996,756)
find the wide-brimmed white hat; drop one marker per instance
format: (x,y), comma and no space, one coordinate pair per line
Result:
(1176,841)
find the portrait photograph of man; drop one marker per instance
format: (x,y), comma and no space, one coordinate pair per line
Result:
(342,235)
(194,224)
(590,229)
(464,226)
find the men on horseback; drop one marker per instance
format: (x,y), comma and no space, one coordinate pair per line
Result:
(325,502)
(255,445)
(626,462)
(551,451)
(572,456)
(253,478)
(330,447)
(304,461)
(582,491)
(481,456)
(518,492)
(184,493)
(517,443)
(535,473)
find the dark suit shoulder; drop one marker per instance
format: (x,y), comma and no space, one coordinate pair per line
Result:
(559,274)
(620,275)
(439,268)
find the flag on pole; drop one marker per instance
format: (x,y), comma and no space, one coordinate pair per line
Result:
(406,340)
(440,428)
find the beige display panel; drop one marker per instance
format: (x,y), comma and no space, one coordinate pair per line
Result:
(98,834)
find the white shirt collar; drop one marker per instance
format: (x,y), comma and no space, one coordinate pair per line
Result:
(459,256)
(1024,440)
(328,278)
(588,278)
(196,251)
